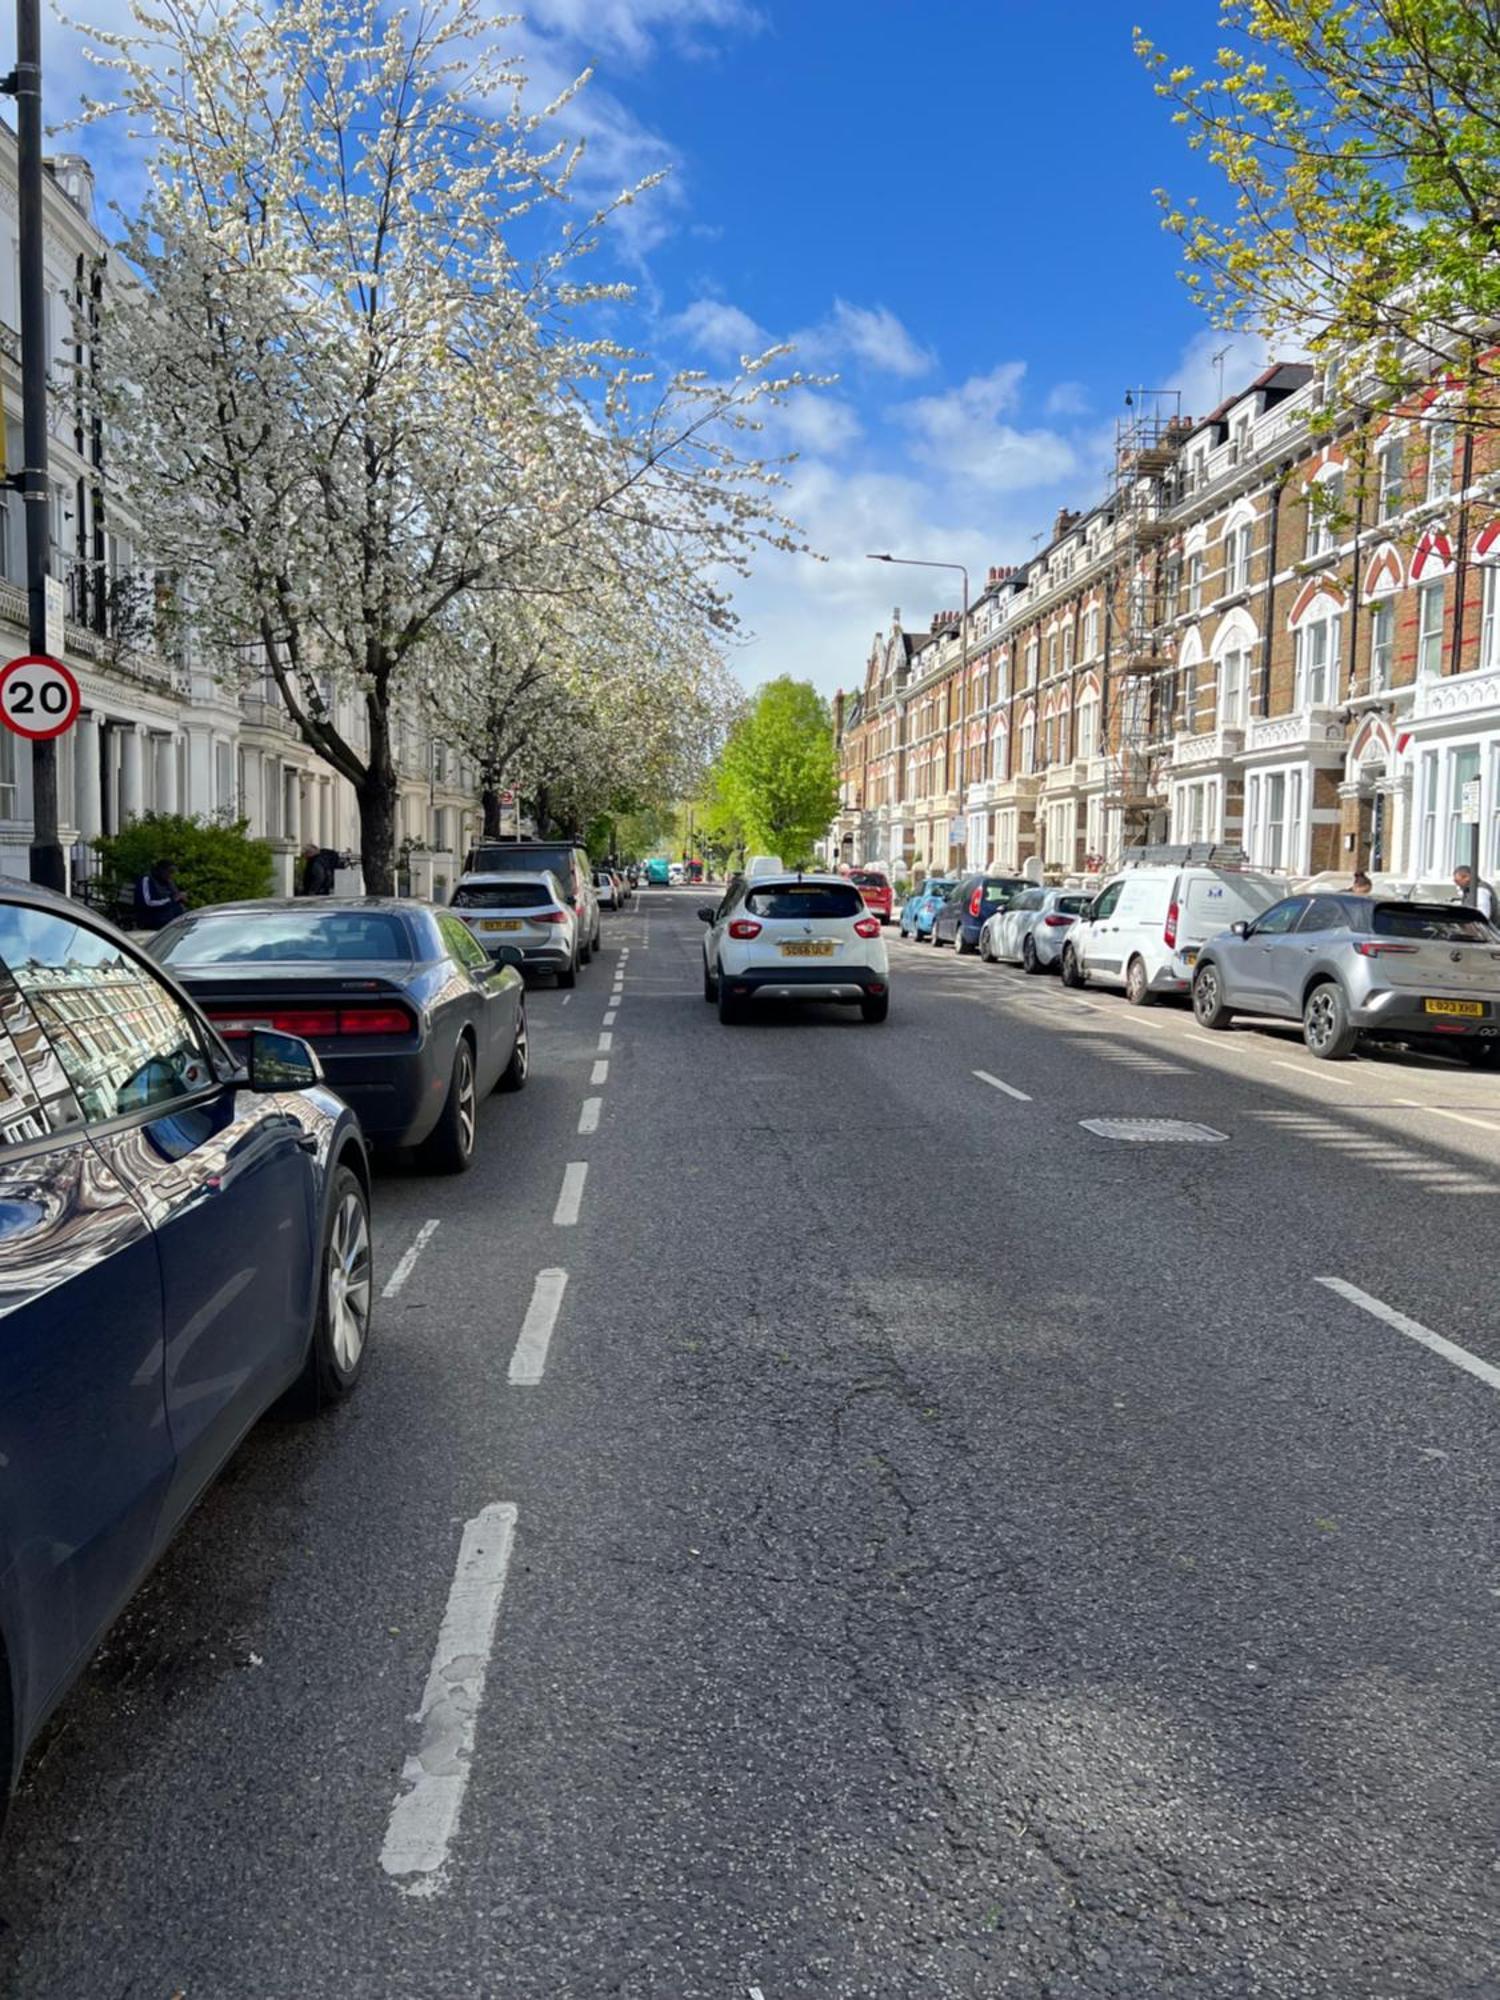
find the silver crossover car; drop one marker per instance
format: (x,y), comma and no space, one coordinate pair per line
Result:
(1427,974)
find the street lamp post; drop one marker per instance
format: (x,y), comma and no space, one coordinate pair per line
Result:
(917,562)
(25,84)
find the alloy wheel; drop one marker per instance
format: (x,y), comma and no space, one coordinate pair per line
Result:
(348,1281)
(463,1084)
(1206,994)
(1319,1024)
(521,1054)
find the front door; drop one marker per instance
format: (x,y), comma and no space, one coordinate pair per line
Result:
(222,1175)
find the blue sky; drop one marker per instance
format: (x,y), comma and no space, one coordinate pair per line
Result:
(948,205)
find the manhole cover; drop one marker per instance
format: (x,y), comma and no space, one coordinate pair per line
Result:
(1172,1131)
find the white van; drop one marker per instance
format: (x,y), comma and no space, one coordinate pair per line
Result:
(763,864)
(1147,923)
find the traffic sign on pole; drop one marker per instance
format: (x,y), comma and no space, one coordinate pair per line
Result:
(39,698)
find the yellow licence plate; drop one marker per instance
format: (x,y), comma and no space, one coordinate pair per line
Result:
(500,923)
(1473,1009)
(812,948)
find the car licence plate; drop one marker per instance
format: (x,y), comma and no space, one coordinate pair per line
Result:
(500,923)
(1470,1009)
(811,948)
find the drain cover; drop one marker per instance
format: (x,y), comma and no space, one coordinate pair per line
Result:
(1172,1131)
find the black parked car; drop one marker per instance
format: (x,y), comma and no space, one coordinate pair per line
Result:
(411,1018)
(184,1236)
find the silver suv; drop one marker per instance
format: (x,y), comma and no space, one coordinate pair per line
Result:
(561,858)
(1346,966)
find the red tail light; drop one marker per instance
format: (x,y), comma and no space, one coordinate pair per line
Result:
(1058,923)
(1169,928)
(975,900)
(375,1021)
(547,917)
(867,927)
(744,927)
(1367,949)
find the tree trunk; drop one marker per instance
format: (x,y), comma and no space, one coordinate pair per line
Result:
(540,813)
(377,806)
(489,799)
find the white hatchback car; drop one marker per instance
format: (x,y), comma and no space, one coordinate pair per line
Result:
(794,937)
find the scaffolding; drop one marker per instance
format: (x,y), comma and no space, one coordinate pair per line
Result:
(1138,713)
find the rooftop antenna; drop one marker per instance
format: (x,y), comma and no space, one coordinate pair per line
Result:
(1218,361)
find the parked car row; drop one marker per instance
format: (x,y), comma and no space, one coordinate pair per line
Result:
(186,1131)
(1345,966)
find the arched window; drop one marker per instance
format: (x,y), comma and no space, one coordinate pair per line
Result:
(1239,538)
(1325,506)
(1064,726)
(1383,578)
(1000,749)
(1028,740)
(1086,735)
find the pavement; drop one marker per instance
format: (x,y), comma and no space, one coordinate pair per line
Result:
(907,1543)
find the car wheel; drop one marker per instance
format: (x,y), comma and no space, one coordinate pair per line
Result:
(961,944)
(346,1292)
(729,1008)
(987,957)
(934,940)
(1137,984)
(901,932)
(876,1007)
(1209,1010)
(1072,971)
(1325,1024)
(516,1071)
(710,984)
(449,1147)
(569,973)
(584,954)
(1029,960)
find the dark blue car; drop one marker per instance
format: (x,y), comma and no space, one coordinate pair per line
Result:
(184,1236)
(970,904)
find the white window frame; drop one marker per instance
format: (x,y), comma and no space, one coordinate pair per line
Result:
(1312,634)
(1087,731)
(1237,558)
(1442,441)
(1234,689)
(1382,643)
(1390,489)
(1195,580)
(1489,618)
(1431,591)
(1427,817)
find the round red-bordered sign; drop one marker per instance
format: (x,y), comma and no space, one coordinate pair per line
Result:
(31,690)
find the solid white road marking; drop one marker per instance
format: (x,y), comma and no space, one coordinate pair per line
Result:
(571,1199)
(409,1257)
(530,1357)
(1414,1330)
(1458,1117)
(606,1043)
(600,1073)
(995,1084)
(1323,1075)
(588,1117)
(424,1816)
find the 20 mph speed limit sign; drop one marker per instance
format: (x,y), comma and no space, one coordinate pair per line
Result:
(39,698)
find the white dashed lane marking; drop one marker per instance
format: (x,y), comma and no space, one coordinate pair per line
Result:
(570,1201)
(1450,1350)
(408,1260)
(600,1073)
(588,1117)
(530,1358)
(995,1083)
(425,1815)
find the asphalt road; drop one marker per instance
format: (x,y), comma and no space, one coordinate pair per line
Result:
(947,1551)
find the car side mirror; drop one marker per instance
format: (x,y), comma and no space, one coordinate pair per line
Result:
(707,914)
(1239,928)
(509,954)
(282,1062)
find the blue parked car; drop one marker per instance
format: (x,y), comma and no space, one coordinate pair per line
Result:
(184,1236)
(922,905)
(970,904)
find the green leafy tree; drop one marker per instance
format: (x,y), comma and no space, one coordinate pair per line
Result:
(1360,141)
(216,860)
(777,776)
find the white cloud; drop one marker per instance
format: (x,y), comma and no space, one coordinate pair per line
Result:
(720,329)
(874,335)
(633,27)
(1198,374)
(1067,399)
(815,423)
(960,433)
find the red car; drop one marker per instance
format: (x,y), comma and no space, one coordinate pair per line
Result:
(876,890)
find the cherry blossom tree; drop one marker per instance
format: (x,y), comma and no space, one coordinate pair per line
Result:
(364,385)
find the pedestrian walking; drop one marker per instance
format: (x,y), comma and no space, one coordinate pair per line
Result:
(1476,893)
(1361,885)
(158,900)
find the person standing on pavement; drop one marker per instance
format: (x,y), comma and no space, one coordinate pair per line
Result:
(318,867)
(1477,894)
(158,900)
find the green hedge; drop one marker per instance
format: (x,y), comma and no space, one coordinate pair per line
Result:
(217,862)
